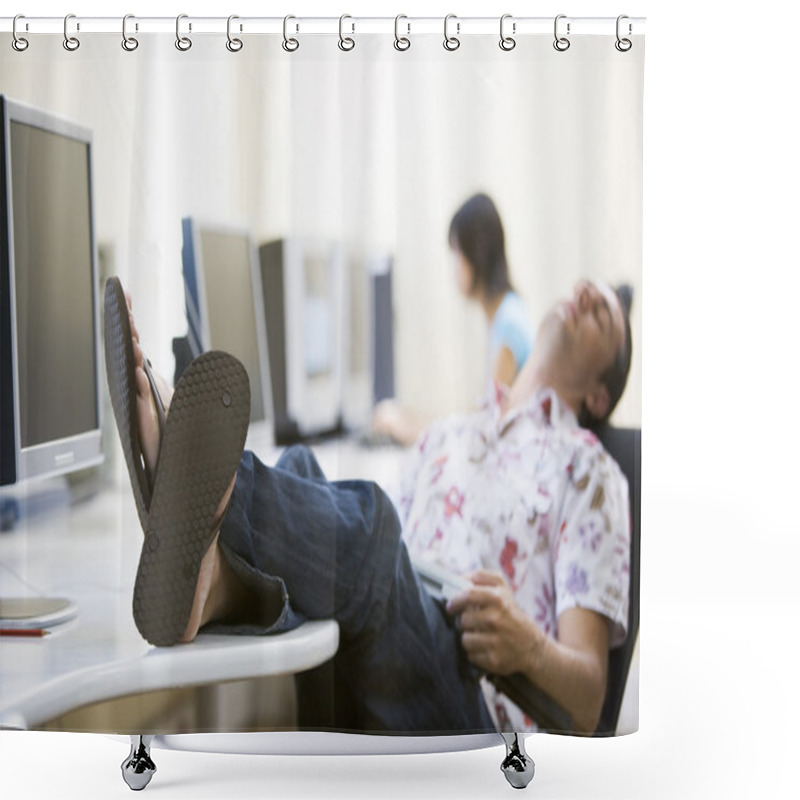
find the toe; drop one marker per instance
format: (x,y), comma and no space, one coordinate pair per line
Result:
(138,355)
(165,391)
(142,384)
(149,440)
(134,329)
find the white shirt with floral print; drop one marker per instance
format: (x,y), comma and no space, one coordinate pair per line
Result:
(528,494)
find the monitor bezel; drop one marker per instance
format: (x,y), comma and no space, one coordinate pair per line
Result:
(358,398)
(198,318)
(82,450)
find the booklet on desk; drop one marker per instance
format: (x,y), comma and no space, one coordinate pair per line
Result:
(22,613)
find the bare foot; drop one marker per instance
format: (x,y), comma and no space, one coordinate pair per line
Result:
(145,402)
(210,599)
(149,433)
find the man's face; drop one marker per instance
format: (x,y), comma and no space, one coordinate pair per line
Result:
(580,337)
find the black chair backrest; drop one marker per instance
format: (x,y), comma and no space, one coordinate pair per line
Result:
(625,447)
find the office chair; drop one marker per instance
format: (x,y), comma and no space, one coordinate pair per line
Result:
(625,446)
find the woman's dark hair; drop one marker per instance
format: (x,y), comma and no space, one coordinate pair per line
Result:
(476,230)
(616,376)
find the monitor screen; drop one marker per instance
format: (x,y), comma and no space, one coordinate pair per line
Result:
(314,282)
(356,345)
(50,308)
(53,287)
(382,329)
(368,359)
(223,311)
(302,281)
(358,349)
(318,319)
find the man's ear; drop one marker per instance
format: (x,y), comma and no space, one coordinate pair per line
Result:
(597,401)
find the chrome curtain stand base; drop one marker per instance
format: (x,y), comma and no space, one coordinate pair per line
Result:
(517,766)
(138,768)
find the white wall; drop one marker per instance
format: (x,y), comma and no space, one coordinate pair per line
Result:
(373,147)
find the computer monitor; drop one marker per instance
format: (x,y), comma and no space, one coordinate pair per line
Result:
(50,407)
(382,309)
(224,303)
(368,338)
(357,355)
(303,283)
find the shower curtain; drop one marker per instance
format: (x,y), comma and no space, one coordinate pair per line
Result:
(366,141)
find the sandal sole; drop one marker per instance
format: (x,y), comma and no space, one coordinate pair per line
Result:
(201,448)
(121,377)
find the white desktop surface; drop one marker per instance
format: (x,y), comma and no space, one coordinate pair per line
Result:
(89,553)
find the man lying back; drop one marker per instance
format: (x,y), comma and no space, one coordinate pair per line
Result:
(518,497)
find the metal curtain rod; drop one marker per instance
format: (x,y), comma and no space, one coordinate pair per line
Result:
(319,25)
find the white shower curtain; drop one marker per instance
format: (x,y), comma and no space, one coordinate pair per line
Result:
(374,149)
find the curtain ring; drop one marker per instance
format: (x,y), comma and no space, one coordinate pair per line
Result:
(401,43)
(129,43)
(233,44)
(507,42)
(18,42)
(289,45)
(561,43)
(71,43)
(346,43)
(623,45)
(451,43)
(183,43)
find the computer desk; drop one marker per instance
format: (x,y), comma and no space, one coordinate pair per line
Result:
(89,553)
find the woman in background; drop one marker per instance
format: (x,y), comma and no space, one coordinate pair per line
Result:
(477,244)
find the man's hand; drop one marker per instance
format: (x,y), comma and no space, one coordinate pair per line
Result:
(497,635)
(499,638)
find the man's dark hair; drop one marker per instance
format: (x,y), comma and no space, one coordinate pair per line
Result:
(477,231)
(616,376)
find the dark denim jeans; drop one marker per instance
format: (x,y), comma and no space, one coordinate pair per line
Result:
(308,548)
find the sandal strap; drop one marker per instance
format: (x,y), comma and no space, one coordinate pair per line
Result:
(160,411)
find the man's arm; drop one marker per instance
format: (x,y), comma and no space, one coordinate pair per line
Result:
(500,638)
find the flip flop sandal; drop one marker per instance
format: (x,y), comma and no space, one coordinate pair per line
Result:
(121,375)
(201,446)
